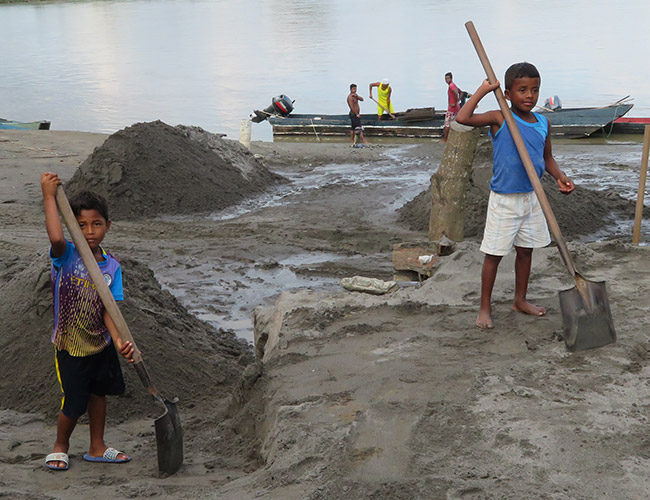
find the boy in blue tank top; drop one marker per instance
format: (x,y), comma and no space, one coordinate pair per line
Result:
(514,217)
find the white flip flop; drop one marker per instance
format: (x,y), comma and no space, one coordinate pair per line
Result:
(57,457)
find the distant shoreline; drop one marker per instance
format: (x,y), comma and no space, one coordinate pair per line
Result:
(30,1)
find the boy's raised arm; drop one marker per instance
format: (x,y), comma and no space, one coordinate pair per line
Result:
(466,115)
(49,183)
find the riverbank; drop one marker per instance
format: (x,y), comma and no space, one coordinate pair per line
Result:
(358,396)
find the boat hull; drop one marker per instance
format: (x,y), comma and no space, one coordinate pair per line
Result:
(569,122)
(630,125)
(339,125)
(11,125)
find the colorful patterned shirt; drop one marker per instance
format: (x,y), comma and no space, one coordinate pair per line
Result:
(79,326)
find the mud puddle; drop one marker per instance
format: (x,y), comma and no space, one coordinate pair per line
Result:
(225,289)
(225,295)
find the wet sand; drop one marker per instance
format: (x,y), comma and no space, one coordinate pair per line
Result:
(352,395)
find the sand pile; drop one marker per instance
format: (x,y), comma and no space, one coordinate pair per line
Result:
(186,357)
(151,169)
(584,212)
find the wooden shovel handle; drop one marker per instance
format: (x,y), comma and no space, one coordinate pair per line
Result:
(391,114)
(638,213)
(523,152)
(101,286)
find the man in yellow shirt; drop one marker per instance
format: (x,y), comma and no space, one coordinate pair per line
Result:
(384,101)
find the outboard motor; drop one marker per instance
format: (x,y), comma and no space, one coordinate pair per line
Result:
(553,103)
(280,106)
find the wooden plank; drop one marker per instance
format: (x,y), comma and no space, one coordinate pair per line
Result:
(406,257)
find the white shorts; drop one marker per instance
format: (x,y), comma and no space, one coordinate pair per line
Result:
(449,117)
(514,220)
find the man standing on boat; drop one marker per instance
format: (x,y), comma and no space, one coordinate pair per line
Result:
(355,114)
(453,104)
(384,102)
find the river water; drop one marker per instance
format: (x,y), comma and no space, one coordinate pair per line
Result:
(102,65)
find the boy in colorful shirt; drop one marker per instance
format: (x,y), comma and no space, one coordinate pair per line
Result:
(514,217)
(84,336)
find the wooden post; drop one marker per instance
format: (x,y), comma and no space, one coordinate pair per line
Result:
(245,133)
(641,193)
(449,184)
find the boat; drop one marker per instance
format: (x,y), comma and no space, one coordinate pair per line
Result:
(583,122)
(428,122)
(630,125)
(12,125)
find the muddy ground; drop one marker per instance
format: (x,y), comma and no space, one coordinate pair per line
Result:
(352,396)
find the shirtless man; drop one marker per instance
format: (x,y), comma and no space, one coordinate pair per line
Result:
(355,114)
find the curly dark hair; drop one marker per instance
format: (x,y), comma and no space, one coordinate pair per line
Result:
(89,200)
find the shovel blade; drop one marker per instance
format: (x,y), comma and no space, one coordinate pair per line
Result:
(169,439)
(586,317)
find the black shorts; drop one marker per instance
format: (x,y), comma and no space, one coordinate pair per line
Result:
(99,374)
(356,121)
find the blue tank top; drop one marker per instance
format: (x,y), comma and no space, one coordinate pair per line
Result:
(509,174)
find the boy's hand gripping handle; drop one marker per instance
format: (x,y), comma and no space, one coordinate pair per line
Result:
(101,286)
(523,152)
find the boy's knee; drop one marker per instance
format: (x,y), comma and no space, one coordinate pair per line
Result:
(74,411)
(523,250)
(493,258)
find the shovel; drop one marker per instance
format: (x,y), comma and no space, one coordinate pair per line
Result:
(169,433)
(389,113)
(586,317)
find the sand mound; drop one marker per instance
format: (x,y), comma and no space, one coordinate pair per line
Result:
(151,169)
(186,357)
(584,212)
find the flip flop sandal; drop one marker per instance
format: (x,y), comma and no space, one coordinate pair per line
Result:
(110,457)
(57,457)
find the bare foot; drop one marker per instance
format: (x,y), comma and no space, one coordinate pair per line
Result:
(528,308)
(484,319)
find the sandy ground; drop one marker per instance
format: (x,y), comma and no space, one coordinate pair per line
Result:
(355,396)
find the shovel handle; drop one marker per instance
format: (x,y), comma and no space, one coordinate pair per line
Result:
(638,214)
(101,286)
(391,114)
(523,152)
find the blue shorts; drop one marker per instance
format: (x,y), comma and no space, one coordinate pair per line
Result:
(99,374)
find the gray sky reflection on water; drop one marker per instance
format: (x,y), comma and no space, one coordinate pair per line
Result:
(101,66)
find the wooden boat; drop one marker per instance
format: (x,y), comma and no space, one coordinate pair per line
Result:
(428,122)
(11,125)
(625,125)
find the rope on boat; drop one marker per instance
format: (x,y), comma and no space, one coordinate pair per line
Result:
(314,127)
(271,114)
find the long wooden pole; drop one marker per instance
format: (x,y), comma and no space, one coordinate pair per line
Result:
(102,289)
(642,179)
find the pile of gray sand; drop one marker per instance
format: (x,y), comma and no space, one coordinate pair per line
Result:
(580,214)
(151,169)
(186,358)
